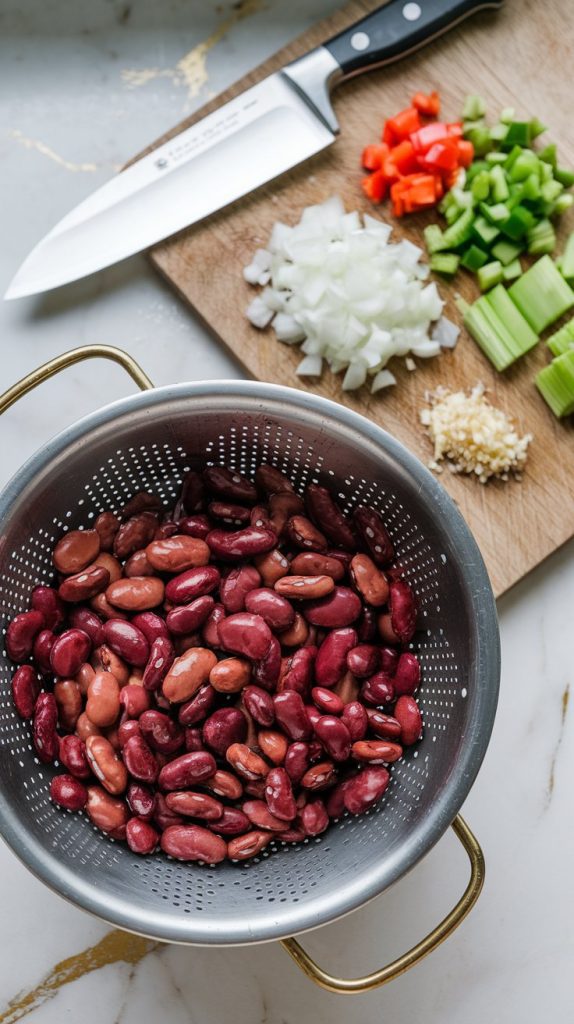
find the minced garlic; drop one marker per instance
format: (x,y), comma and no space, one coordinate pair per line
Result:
(473,436)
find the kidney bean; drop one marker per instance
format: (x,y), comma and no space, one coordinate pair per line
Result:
(229,513)
(85,727)
(249,845)
(245,634)
(187,674)
(151,625)
(224,728)
(266,671)
(403,610)
(197,709)
(326,700)
(367,626)
(83,677)
(70,650)
(364,660)
(334,801)
(21,633)
(282,507)
(259,704)
(137,566)
(376,751)
(160,661)
(46,601)
(162,816)
(319,776)
(229,484)
(340,608)
(331,661)
(355,718)
(304,588)
(90,623)
(127,641)
(143,501)
(314,818)
(259,815)
(236,585)
(373,532)
(192,492)
(364,790)
(193,843)
(107,525)
(75,550)
(108,814)
(68,792)
(69,701)
(232,546)
(140,760)
(137,594)
(378,689)
(246,763)
(133,535)
(303,534)
(195,805)
(326,514)
(108,768)
(272,565)
(335,737)
(259,516)
(210,631)
(141,837)
(110,564)
(385,726)
(274,609)
(313,714)
(273,744)
(230,675)
(141,800)
(197,526)
(193,739)
(299,674)
(187,770)
(106,659)
(408,715)
(291,715)
(161,732)
(103,704)
(192,583)
(177,554)
(271,480)
(42,649)
(25,690)
(232,822)
(72,754)
(297,761)
(84,585)
(128,727)
(389,660)
(101,606)
(407,675)
(297,635)
(225,784)
(369,580)
(311,563)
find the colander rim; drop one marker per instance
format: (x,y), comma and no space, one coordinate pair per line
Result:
(287,919)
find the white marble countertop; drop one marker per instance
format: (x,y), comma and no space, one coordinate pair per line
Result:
(84,86)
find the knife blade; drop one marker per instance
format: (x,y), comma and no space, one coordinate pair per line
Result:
(244,144)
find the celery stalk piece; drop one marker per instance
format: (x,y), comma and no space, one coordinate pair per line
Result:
(548,154)
(489,275)
(522,335)
(519,222)
(563,203)
(484,232)
(503,346)
(474,108)
(519,133)
(567,260)
(562,340)
(564,176)
(459,233)
(556,384)
(445,263)
(541,238)
(474,257)
(512,270)
(541,294)
(498,184)
(506,252)
(434,239)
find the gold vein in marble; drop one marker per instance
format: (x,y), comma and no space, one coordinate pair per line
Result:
(45,150)
(191,71)
(115,947)
(563,713)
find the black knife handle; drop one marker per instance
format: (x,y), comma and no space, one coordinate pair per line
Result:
(396,29)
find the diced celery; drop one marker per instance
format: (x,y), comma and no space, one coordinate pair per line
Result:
(484,232)
(565,177)
(480,186)
(519,222)
(474,258)
(498,133)
(474,107)
(546,172)
(563,340)
(512,270)
(452,214)
(519,133)
(512,156)
(507,115)
(501,343)
(550,190)
(556,384)
(526,163)
(459,232)
(536,128)
(498,184)
(480,138)
(497,213)
(445,263)
(541,294)
(433,238)
(489,275)
(563,203)
(548,154)
(524,338)
(506,252)
(476,167)
(495,157)
(567,259)
(541,238)
(531,187)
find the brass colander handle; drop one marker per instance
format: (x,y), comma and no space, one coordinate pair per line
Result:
(355,986)
(75,355)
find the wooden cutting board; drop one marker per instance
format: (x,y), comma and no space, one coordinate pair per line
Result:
(515,57)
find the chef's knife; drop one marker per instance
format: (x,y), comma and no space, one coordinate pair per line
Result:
(245,143)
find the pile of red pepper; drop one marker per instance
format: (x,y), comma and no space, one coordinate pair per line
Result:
(418,159)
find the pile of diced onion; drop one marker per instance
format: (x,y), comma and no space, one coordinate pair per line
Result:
(335,285)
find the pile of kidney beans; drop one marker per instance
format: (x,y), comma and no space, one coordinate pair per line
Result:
(223,676)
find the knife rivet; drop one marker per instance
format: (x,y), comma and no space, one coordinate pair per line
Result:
(360,41)
(412,12)
(161,163)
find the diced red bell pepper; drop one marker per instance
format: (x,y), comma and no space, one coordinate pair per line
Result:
(465,152)
(373,156)
(428,135)
(404,158)
(375,186)
(454,130)
(442,156)
(401,126)
(427,105)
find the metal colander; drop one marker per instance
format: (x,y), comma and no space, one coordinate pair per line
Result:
(149,441)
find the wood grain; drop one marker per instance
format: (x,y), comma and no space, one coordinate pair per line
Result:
(515,58)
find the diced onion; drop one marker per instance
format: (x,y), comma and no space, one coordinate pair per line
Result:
(337,286)
(445,332)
